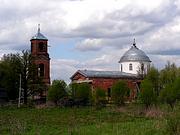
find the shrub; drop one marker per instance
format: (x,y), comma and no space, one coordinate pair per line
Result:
(120,91)
(81,93)
(57,91)
(147,94)
(100,97)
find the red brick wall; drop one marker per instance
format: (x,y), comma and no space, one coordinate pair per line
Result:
(41,58)
(35,47)
(106,83)
(46,78)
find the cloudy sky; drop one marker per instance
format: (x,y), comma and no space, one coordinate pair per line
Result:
(92,34)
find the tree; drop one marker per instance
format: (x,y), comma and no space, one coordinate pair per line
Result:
(147,93)
(11,66)
(176,88)
(168,96)
(26,63)
(168,74)
(120,91)
(9,74)
(153,77)
(171,93)
(57,91)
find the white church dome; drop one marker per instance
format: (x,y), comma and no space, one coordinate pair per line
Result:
(134,61)
(134,54)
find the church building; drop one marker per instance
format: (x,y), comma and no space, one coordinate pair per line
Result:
(132,65)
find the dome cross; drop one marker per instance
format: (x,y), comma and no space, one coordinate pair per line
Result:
(38,28)
(134,43)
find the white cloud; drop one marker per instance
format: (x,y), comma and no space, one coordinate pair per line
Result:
(160,61)
(89,45)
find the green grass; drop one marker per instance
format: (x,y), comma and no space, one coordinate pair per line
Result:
(78,121)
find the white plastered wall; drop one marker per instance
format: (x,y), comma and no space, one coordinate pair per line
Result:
(136,67)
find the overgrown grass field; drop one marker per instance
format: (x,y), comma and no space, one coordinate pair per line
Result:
(128,120)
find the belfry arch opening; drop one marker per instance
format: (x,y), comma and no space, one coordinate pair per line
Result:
(41,47)
(41,70)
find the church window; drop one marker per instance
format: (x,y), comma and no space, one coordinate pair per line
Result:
(142,67)
(41,70)
(109,92)
(130,66)
(121,67)
(41,47)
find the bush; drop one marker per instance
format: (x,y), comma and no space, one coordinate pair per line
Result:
(120,91)
(100,97)
(57,91)
(147,93)
(81,93)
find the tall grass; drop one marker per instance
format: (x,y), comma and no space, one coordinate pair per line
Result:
(78,121)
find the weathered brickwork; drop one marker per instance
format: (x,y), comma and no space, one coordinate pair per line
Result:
(40,56)
(35,48)
(107,83)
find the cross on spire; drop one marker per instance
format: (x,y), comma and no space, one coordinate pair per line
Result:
(38,28)
(134,43)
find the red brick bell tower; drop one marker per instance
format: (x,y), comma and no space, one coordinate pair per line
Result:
(39,52)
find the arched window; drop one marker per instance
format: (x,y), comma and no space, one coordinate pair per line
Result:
(142,66)
(41,70)
(121,67)
(130,66)
(41,47)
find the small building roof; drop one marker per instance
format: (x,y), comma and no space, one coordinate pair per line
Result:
(106,74)
(134,54)
(39,35)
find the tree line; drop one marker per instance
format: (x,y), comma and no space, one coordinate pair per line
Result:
(158,86)
(161,86)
